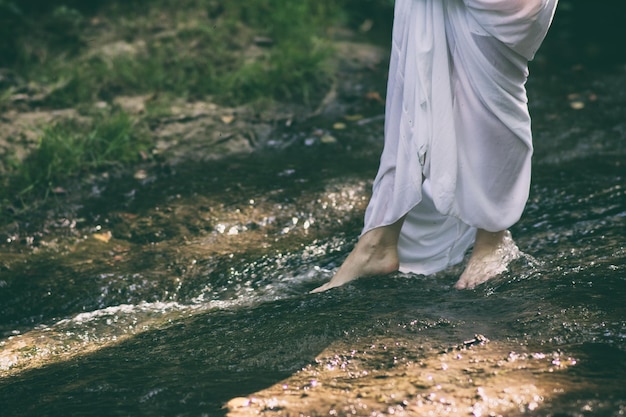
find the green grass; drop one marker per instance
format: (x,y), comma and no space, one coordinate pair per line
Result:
(191,50)
(69,148)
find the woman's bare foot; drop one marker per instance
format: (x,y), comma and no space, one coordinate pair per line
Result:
(376,253)
(492,253)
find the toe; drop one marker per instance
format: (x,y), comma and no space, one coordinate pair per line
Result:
(322,288)
(461,285)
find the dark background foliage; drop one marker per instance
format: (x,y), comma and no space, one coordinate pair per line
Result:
(585,31)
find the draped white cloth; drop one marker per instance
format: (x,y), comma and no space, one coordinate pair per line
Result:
(457,129)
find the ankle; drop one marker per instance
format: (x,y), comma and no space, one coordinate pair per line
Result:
(376,249)
(485,238)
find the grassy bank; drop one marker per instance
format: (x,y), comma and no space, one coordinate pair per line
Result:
(64,54)
(234,51)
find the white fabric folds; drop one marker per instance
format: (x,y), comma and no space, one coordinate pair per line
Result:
(457,129)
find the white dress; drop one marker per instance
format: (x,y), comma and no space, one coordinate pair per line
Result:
(457,129)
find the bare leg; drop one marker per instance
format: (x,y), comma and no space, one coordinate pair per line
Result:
(376,253)
(492,253)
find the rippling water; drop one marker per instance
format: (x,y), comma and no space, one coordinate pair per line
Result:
(198,304)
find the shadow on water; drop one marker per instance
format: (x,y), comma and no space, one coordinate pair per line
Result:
(393,330)
(191,367)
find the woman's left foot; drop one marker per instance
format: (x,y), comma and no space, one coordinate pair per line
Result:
(492,254)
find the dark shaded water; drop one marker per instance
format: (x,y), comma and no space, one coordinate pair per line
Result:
(198,298)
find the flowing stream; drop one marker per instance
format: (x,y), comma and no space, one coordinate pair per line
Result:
(184,291)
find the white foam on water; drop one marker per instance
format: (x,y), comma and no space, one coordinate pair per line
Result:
(280,287)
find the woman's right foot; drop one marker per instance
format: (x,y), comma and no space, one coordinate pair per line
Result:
(364,260)
(376,253)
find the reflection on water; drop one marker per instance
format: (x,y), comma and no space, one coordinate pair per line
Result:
(197,302)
